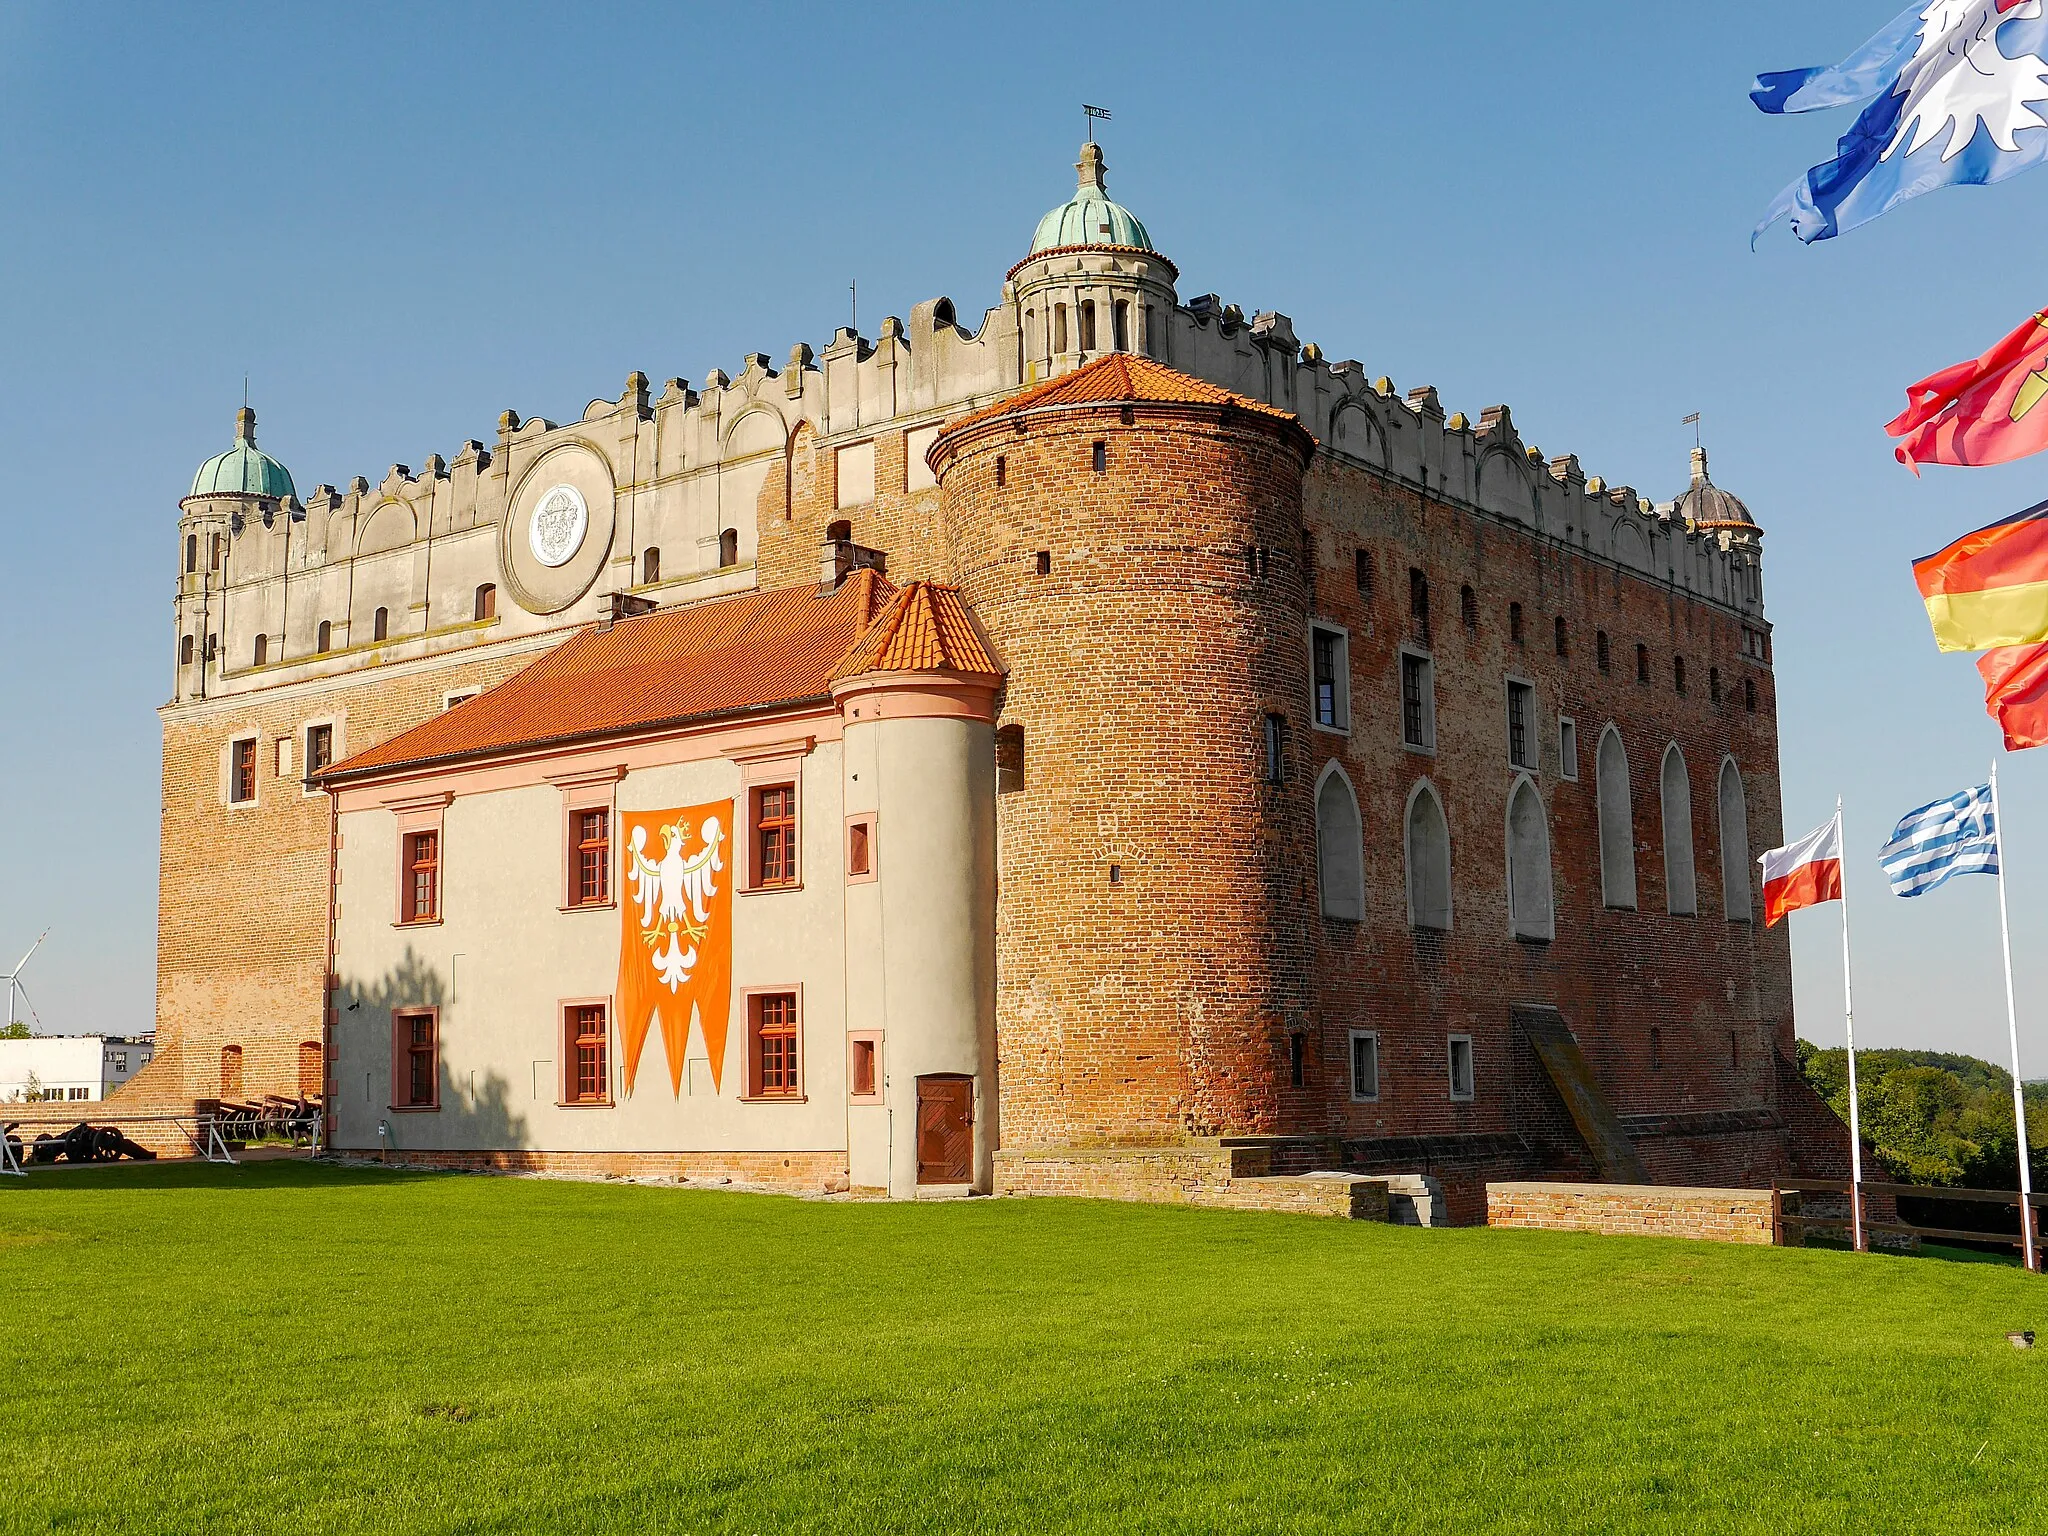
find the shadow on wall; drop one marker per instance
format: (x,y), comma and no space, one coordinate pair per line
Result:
(474,1110)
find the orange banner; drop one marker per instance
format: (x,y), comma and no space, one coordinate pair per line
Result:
(675,953)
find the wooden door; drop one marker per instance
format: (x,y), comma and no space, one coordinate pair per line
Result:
(945,1130)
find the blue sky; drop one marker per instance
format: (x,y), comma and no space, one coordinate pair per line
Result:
(401,220)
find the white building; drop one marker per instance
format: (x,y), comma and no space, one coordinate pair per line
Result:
(84,1067)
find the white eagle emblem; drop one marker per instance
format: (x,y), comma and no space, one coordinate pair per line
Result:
(673,896)
(1958,77)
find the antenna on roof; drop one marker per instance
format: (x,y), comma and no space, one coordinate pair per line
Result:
(1092,113)
(1693,421)
(854,289)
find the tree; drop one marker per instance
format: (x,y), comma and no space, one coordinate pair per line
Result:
(1934,1117)
(15,1029)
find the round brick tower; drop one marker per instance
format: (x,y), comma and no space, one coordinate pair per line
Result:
(1132,540)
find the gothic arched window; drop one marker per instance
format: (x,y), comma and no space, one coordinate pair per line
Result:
(1429,860)
(1681,889)
(1617,824)
(1735,900)
(1340,852)
(1530,913)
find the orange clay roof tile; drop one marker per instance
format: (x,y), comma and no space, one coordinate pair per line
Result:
(1114,380)
(668,668)
(925,628)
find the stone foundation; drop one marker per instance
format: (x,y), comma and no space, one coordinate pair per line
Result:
(795,1173)
(1208,1173)
(1633,1210)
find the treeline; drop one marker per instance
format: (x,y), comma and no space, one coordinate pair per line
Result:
(1935,1117)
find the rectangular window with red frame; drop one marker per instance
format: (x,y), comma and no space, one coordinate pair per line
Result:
(590,880)
(775,836)
(421,876)
(772,1025)
(242,775)
(416,1044)
(586,1027)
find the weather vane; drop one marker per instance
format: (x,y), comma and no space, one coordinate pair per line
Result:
(1092,113)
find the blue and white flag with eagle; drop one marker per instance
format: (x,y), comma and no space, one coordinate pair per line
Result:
(1954,91)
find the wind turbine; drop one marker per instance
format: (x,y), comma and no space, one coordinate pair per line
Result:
(14,986)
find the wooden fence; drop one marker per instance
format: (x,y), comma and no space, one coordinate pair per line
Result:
(1790,1223)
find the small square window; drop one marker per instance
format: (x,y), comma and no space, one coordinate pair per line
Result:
(1365,1067)
(1418,702)
(864,1068)
(1101,458)
(1045,562)
(1461,1066)
(1521,725)
(1567,747)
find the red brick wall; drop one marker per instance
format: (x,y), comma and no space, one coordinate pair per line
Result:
(1140,666)
(1614,975)
(242,896)
(1711,1215)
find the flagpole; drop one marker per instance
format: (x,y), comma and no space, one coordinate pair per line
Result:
(2012,1025)
(1849,1022)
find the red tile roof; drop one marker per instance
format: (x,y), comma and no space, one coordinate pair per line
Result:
(925,628)
(667,668)
(1113,380)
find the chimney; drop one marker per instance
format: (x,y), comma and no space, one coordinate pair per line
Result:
(839,557)
(1699,466)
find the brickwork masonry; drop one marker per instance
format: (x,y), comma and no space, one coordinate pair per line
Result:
(1199,1173)
(1633,1210)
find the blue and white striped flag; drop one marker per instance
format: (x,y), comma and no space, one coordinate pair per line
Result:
(1955,836)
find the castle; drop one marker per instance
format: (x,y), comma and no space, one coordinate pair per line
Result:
(1265,771)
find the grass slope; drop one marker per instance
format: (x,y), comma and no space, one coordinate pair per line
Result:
(304,1349)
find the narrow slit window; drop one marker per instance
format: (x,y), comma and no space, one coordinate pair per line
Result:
(242,771)
(487,601)
(1365,1067)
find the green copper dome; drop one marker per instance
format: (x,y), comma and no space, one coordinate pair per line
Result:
(1091,218)
(242,470)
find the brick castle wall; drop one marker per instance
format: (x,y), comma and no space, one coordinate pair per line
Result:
(1633,1210)
(242,895)
(1145,963)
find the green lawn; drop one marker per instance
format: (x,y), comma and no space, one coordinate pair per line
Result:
(300,1349)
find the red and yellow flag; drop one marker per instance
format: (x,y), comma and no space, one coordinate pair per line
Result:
(1987,411)
(675,950)
(2016,693)
(1990,588)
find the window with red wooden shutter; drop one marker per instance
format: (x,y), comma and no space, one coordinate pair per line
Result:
(859,859)
(422,876)
(775,835)
(415,1041)
(774,1044)
(591,881)
(242,780)
(588,1054)
(864,1069)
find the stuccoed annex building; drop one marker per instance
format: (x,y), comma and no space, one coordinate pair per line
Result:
(1138,754)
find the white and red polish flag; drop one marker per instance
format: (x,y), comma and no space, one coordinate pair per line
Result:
(1805,873)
